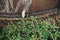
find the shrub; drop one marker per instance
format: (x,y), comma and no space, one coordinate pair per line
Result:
(31,30)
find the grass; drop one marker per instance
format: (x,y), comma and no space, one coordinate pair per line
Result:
(31,30)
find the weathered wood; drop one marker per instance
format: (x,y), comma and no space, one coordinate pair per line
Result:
(38,14)
(38,5)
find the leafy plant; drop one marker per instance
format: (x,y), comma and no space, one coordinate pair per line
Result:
(31,30)
(58,22)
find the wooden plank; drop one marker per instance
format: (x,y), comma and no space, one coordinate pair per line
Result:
(14,17)
(9,18)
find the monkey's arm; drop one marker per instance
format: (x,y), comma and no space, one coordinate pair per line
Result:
(26,6)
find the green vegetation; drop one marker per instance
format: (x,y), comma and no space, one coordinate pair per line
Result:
(31,30)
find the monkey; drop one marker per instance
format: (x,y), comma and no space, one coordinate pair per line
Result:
(25,4)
